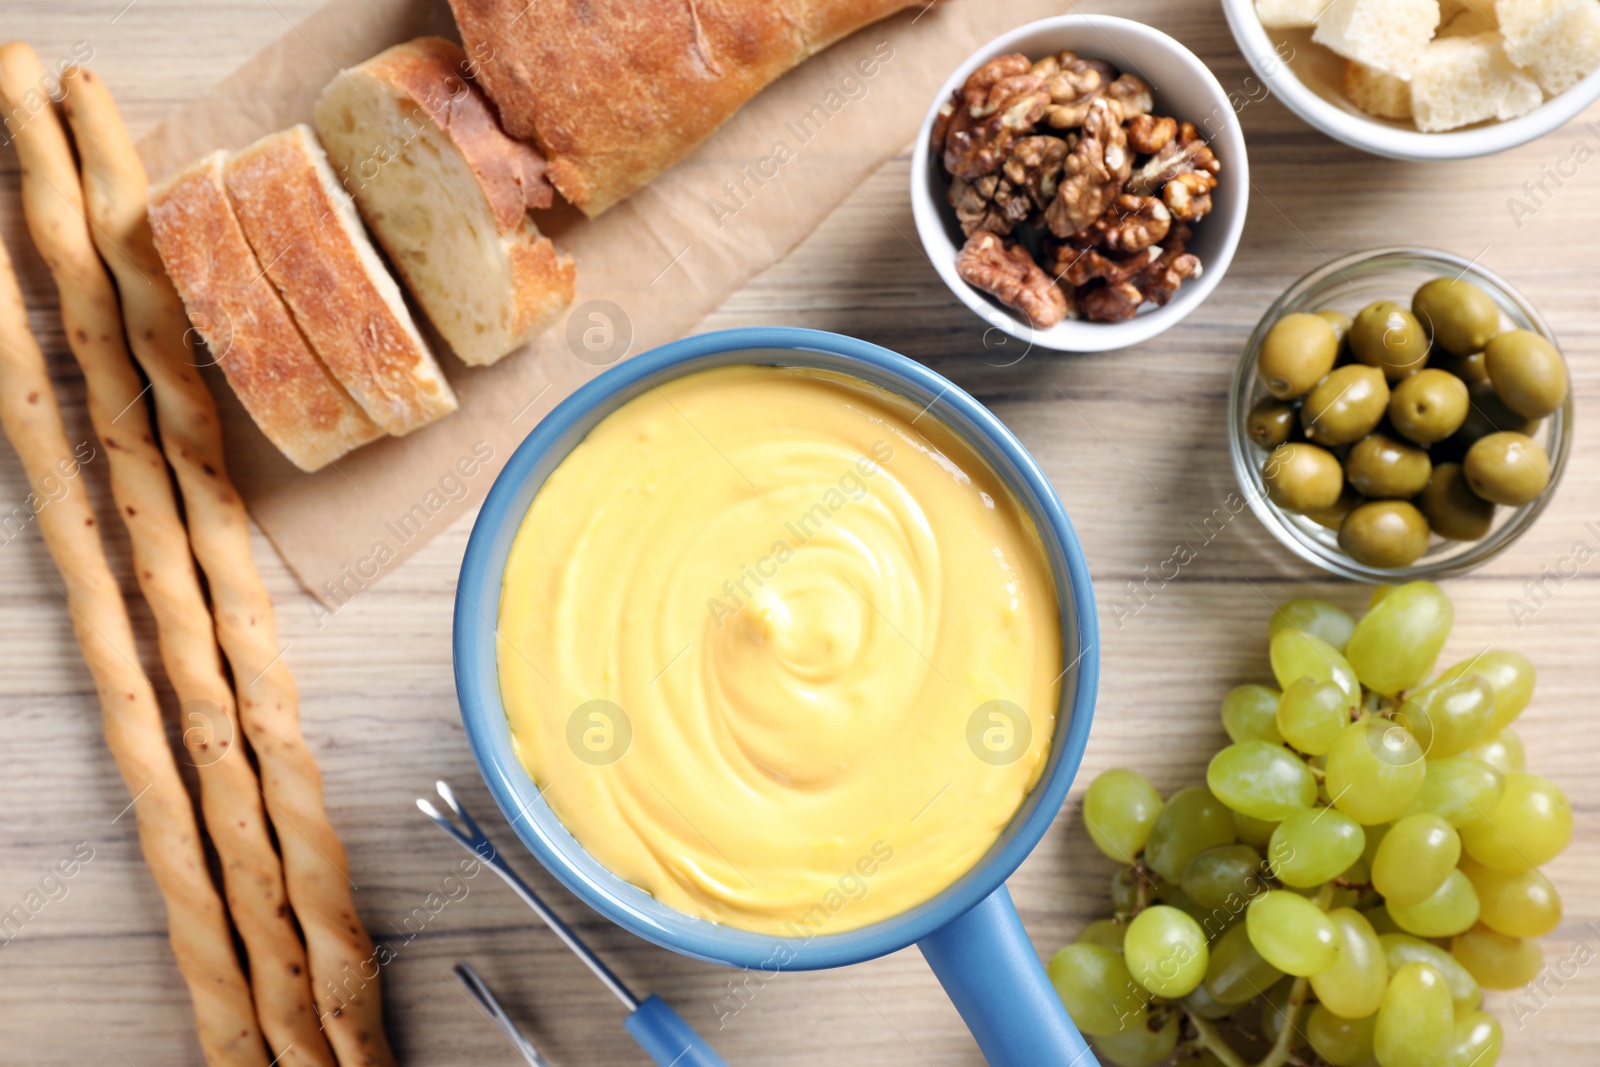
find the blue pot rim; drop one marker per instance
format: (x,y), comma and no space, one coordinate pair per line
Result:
(477,681)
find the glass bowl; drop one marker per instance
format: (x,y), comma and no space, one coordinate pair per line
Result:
(1348,285)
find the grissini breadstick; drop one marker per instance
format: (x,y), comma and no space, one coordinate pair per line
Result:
(230,797)
(196,922)
(344,965)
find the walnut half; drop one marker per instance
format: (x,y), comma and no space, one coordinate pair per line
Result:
(1008,273)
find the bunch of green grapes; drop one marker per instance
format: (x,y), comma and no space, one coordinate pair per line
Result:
(1362,861)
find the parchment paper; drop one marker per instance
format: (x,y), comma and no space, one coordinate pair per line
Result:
(648,270)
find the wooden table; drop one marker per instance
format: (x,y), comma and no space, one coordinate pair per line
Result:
(1135,442)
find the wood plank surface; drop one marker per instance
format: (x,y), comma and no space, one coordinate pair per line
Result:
(1135,441)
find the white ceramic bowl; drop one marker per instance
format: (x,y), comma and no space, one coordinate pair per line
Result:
(1309,79)
(1183,87)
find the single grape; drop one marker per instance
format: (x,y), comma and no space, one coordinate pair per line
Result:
(1417,1019)
(1315,845)
(1257,833)
(1375,771)
(1530,826)
(1192,822)
(1353,987)
(1297,655)
(1511,676)
(1203,1004)
(1501,750)
(1249,713)
(1145,1044)
(1275,1012)
(1263,780)
(1395,644)
(1449,910)
(1449,717)
(1237,972)
(1119,809)
(1312,714)
(1342,1042)
(1315,617)
(1095,985)
(1107,933)
(1477,1043)
(1416,856)
(1225,877)
(1496,961)
(1459,790)
(1166,951)
(1400,949)
(1292,934)
(1517,905)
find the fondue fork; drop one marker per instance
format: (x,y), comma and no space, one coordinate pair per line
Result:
(660,1031)
(497,1014)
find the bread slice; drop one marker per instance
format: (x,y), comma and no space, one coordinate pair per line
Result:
(1375,92)
(1559,42)
(252,337)
(1386,35)
(1289,14)
(614,92)
(1463,80)
(308,236)
(447,193)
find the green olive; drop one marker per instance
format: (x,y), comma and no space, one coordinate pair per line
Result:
(1469,369)
(1452,509)
(1346,405)
(1507,468)
(1380,467)
(1302,477)
(1458,315)
(1527,372)
(1428,406)
(1270,423)
(1332,517)
(1385,533)
(1387,336)
(1295,354)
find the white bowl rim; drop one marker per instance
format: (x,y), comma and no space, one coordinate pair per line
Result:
(1379,138)
(1076,335)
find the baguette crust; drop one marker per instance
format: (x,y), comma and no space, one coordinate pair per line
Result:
(281,383)
(307,236)
(230,794)
(447,193)
(614,92)
(198,927)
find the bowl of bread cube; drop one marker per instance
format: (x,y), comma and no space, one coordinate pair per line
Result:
(1425,79)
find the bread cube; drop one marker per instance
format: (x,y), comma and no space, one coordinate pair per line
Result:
(1561,47)
(1377,93)
(1286,14)
(1463,80)
(1519,19)
(1386,35)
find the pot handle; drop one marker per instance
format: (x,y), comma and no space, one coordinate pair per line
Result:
(988,966)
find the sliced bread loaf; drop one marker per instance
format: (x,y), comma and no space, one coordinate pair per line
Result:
(252,337)
(447,193)
(306,233)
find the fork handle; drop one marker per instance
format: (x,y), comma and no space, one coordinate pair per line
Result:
(667,1039)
